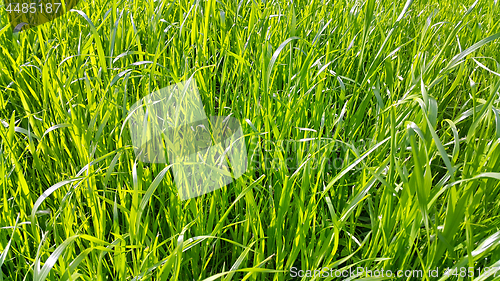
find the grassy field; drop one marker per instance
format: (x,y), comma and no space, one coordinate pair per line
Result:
(372,130)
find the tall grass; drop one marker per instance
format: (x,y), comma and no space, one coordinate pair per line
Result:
(372,129)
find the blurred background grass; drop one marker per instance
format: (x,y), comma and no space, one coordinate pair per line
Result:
(372,129)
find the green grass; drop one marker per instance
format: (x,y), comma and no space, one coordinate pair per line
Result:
(373,131)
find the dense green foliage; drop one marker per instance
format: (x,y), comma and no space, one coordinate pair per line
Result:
(373,131)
